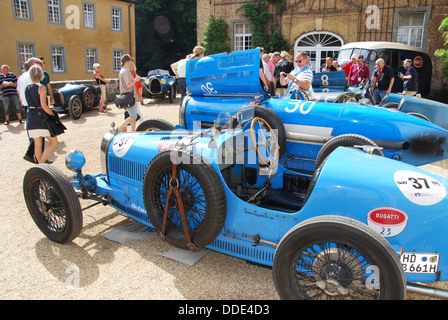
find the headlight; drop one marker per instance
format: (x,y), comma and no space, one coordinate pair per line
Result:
(104,147)
(75,160)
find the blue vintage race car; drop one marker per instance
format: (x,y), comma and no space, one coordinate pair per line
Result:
(76,98)
(160,84)
(359,227)
(429,110)
(307,130)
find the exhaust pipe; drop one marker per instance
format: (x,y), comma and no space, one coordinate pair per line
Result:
(427,291)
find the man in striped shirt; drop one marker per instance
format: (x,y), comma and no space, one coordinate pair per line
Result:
(300,78)
(8,84)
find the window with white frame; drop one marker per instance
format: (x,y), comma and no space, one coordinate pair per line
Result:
(57,58)
(22,9)
(116,19)
(411,28)
(89,15)
(242,36)
(26,51)
(117,54)
(91,58)
(54,11)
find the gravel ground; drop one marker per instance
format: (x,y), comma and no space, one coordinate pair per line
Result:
(32,267)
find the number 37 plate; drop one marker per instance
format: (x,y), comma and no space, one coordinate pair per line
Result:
(420,262)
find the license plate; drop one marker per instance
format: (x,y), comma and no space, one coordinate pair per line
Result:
(420,262)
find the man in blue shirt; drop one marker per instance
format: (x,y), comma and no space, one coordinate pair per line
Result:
(8,84)
(410,78)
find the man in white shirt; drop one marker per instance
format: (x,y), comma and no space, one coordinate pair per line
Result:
(179,68)
(300,78)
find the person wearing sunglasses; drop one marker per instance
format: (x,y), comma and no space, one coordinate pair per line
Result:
(300,78)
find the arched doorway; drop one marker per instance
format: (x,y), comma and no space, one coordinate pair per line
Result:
(319,46)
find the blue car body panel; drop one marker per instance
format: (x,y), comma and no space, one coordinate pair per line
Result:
(436,112)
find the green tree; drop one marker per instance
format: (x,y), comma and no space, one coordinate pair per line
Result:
(265,33)
(443,52)
(165,32)
(442,94)
(216,38)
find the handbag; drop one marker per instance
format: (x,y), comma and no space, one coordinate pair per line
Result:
(125,100)
(53,124)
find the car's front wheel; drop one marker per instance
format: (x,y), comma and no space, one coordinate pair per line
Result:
(202,195)
(345,140)
(52,203)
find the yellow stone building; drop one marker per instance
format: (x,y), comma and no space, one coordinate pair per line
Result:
(70,35)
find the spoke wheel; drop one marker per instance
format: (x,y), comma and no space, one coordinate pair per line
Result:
(202,194)
(88,99)
(52,203)
(337,258)
(75,107)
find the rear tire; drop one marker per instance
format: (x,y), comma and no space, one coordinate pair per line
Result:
(154,125)
(335,257)
(75,107)
(88,99)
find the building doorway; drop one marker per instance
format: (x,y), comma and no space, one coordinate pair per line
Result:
(319,46)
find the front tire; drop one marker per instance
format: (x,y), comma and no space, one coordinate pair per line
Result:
(334,257)
(274,122)
(52,203)
(344,140)
(202,194)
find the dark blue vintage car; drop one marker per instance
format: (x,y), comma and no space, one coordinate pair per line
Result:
(160,84)
(76,98)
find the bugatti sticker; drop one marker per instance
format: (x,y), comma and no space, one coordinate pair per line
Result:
(388,222)
(166,145)
(419,188)
(123,143)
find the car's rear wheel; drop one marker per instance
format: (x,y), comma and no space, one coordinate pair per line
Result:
(154,125)
(88,99)
(52,203)
(75,107)
(203,198)
(334,257)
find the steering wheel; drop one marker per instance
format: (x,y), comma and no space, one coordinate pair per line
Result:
(301,95)
(268,140)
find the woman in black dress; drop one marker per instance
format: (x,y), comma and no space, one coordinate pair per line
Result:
(36,97)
